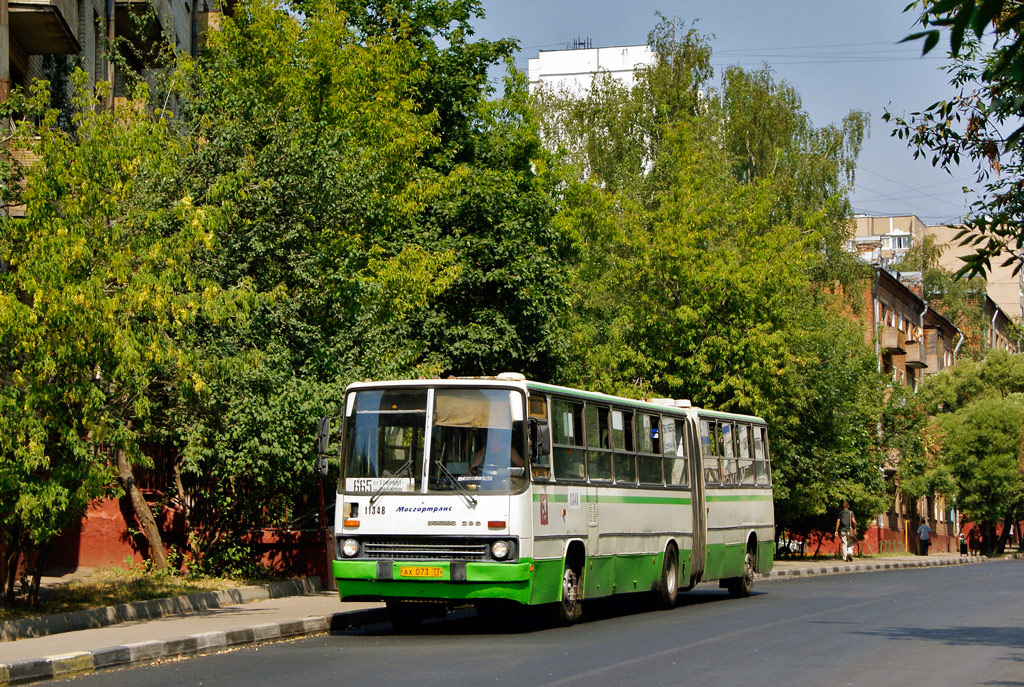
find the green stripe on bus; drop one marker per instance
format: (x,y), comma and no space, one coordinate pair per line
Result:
(672,500)
(643,499)
(738,497)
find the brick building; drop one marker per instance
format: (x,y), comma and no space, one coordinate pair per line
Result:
(32,32)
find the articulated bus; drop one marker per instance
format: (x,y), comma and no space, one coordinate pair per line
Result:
(473,491)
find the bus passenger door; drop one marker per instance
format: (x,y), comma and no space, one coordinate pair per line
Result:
(700,514)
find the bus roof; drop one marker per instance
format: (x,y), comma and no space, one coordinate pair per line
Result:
(518,382)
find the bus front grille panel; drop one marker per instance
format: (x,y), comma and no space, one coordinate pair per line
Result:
(426,548)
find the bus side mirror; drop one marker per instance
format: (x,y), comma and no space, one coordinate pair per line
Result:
(540,441)
(323,435)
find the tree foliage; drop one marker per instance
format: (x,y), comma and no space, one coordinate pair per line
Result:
(710,222)
(388,218)
(99,300)
(339,198)
(977,411)
(980,122)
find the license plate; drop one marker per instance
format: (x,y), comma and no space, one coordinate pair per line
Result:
(420,571)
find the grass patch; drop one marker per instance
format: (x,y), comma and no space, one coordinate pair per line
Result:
(112,586)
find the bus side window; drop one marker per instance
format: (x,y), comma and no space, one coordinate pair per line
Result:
(730,469)
(649,450)
(709,443)
(599,455)
(570,459)
(761,469)
(674,442)
(743,437)
(622,438)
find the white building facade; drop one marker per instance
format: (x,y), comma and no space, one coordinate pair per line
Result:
(574,70)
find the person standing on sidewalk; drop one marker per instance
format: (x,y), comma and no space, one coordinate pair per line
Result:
(845,525)
(924,534)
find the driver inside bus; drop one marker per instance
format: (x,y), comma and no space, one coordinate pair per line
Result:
(476,467)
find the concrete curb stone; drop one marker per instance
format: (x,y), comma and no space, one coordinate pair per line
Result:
(77,663)
(157,608)
(868,567)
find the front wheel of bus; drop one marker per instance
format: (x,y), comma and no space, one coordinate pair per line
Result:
(570,607)
(740,587)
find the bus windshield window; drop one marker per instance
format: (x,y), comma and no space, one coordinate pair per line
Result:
(384,441)
(477,441)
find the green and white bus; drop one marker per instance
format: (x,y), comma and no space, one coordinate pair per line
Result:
(469,491)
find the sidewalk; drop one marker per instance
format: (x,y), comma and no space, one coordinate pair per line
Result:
(230,623)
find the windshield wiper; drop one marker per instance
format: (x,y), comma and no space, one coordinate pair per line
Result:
(456,483)
(391,481)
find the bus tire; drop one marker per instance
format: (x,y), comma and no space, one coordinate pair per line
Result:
(668,588)
(740,587)
(569,609)
(404,616)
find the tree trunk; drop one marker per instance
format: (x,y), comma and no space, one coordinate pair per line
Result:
(988,538)
(11,558)
(1005,536)
(37,576)
(157,554)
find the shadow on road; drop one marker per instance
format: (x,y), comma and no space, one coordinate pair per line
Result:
(514,619)
(1009,637)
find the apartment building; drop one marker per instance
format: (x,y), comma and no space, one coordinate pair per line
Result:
(35,31)
(912,340)
(574,69)
(884,241)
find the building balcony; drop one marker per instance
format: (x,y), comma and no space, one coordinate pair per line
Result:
(24,155)
(43,27)
(891,339)
(915,355)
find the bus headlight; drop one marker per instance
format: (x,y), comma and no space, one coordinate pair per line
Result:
(499,549)
(350,548)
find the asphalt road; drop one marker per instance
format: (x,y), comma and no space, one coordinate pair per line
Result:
(958,625)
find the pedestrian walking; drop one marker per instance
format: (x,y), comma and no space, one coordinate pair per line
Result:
(845,524)
(924,535)
(974,540)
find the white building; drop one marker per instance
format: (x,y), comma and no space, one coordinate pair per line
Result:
(574,70)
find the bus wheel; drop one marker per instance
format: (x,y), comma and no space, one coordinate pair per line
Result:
(740,587)
(404,616)
(668,589)
(570,608)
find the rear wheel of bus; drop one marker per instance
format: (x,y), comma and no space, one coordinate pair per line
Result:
(740,587)
(667,593)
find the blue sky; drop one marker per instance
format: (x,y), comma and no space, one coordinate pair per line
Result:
(838,55)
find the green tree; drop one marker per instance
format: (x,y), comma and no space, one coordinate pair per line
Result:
(389,219)
(982,450)
(972,409)
(986,68)
(99,297)
(709,227)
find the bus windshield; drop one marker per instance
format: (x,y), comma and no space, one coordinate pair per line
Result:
(476,441)
(384,440)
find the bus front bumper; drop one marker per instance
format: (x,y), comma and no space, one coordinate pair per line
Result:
(372,580)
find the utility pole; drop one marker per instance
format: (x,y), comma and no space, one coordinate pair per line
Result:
(110,53)
(5,51)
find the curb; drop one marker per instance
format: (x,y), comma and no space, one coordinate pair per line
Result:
(81,662)
(869,567)
(155,608)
